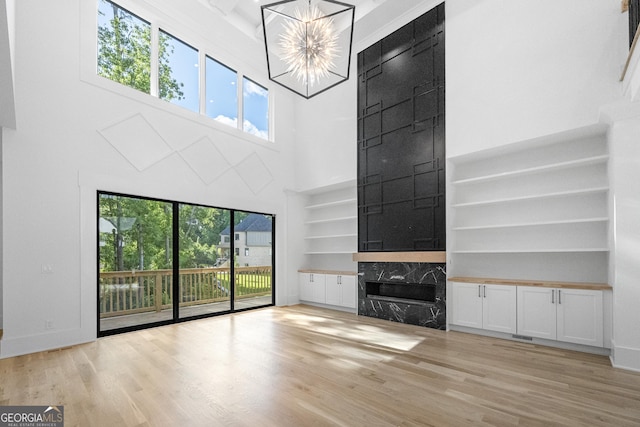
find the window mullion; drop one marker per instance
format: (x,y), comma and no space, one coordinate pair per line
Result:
(239,84)
(232,260)
(202,82)
(155,37)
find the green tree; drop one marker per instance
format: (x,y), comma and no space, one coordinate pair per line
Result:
(124,53)
(200,229)
(136,234)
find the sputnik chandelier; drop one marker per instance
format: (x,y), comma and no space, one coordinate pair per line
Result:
(308,44)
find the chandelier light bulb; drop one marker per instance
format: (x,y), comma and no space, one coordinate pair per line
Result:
(309,45)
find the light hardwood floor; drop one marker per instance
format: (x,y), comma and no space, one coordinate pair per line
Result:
(305,366)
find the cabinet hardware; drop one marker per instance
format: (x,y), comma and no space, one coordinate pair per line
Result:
(559,296)
(479,296)
(484,290)
(553,296)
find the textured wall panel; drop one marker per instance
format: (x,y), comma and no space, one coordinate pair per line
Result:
(205,159)
(137,141)
(401,146)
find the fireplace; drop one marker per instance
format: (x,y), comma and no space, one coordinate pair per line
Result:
(406,292)
(410,293)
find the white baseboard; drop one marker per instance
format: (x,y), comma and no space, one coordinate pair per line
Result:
(19,346)
(625,357)
(602,351)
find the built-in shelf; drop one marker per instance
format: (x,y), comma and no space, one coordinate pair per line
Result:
(331,236)
(537,208)
(332,204)
(532,224)
(534,197)
(538,169)
(526,251)
(330,220)
(321,221)
(329,253)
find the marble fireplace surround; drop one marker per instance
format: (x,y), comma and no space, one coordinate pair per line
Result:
(389,287)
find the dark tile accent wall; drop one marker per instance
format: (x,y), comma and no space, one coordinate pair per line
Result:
(428,314)
(401,139)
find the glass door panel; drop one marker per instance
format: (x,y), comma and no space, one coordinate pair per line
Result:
(253,260)
(205,267)
(135,267)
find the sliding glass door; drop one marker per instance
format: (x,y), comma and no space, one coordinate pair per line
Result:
(135,261)
(205,273)
(161,261)
(253,256)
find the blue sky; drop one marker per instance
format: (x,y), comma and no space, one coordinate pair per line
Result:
(221,85)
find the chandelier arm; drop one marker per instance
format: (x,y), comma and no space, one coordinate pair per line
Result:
(277,12)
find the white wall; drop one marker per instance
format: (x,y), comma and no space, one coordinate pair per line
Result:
(326,136)
(1,239)
(65,149)
(625,194)
(7,43)
(517,70)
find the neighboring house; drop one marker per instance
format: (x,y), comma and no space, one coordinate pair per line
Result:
(252,242)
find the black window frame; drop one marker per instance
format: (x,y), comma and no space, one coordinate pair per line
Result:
(176,264)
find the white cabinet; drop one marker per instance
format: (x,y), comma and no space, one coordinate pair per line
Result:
(490,307)
(331,288)
(341,290)
(563,314)
(312,287)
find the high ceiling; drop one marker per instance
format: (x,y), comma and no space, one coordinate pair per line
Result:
(370,15)
(246,15)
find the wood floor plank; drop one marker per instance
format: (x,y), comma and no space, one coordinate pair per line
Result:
(302,365)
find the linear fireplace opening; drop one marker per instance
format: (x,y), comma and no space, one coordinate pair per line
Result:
(414,293)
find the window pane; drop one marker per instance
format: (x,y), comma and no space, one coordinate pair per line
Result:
(255,109)
(253,260)
(124,47)
(135,285)
(205,271)
(178,72)
(222,93)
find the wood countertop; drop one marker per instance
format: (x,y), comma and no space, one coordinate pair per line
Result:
(340,273)
(540,283)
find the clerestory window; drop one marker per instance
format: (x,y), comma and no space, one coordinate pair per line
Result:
(128,46)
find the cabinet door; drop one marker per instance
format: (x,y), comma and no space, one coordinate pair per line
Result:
(499,308)
(580,318)
(349,291)
(333,291)
(306,291)
(312,287)
(466,305)
(537,312)
(318,288)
